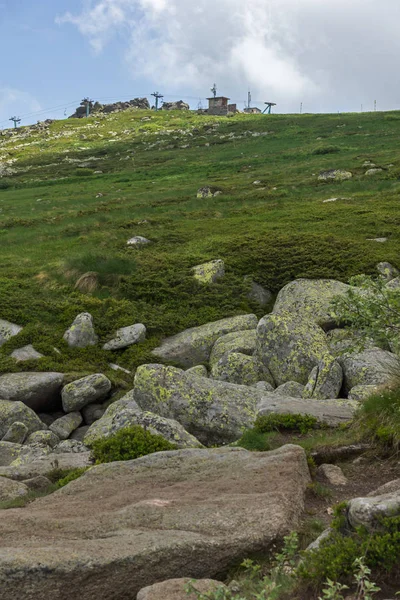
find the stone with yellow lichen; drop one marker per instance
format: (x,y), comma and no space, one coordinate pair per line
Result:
(209,272)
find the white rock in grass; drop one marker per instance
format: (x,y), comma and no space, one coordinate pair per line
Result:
(26,353)
(127,336)
(137,241)
(8,330)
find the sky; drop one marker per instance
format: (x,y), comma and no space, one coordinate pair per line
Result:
(329,55)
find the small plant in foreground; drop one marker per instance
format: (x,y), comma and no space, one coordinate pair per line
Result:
(379,419)
(128,444)
(333,590)
(365,587)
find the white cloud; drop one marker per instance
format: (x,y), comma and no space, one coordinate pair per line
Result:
(319,51)
(15,102)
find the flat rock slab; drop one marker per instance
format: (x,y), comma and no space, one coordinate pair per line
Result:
(43,465)
(174,589)
(330,412)
(36,390)
(124,526)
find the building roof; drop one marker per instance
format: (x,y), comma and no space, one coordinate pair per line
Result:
(218,98)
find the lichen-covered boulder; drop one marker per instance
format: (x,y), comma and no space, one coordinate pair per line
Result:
(18,454)
(9,452)
(8,330)
(215,412)
(199,370)
(81,334)
(37,390)
(264,386)
(209,272)
(291,389)
(237,341)
(127,336)
(257,293)
(64,426)
(16,433)
(193,346)
(43,462)
(328,412)
(11,490)
(366,511)
(17,412)
(311,299)
(122,414)
(387,271)
(371,367)
(325,380)
(335,174)
(84,391)
(137,241)
(26,353)
(175,589)
(360,393)
(73,446)
(290,347)
(43,438)
(235,367)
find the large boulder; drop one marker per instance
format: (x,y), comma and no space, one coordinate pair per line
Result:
(311,299)
(325,380)
(175,589)
(239,368)
(291,389)
(215,412)
(127,525)
(81,334)
(367,511)
(209,272)
(8,330)
(193,346)
(11,490)
(127,336)
(328,412)
(17,412)
(64,426)
(84,391)
(290,347)
(371,367)
(43,463)
(237,341)
(37,390)
(16,434)
(387,271)
(126,413)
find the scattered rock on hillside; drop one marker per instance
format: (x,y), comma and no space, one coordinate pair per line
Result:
(16,434)
(290,347)
(17,412)
(44,464)
(174,589)
(81,333)
(387,271)
(238,368)
(381,240)
(209,272)
(128,525)
(387,488)
(37,390)
(127,336)
(371,367)
(8,330)
(374,171)
(215,412)
(365,511)
(43,438)
(26,353)
(11,490)
(325,380)
(84,391)
(193,346)
(125,413)
(64,426)
(257,293)
(329,412)
(336,174)
(88,282)
(291,389)
(331,474)
(137,241)
(237,341)
(204,192)
(178,105)
(311,299)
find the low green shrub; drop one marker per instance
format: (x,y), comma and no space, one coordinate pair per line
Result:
(255,441)
(70,476)
(285,422)
(379,419)
(128,444)
(325,150)
(83,172)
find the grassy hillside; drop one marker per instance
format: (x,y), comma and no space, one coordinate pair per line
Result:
(60,219)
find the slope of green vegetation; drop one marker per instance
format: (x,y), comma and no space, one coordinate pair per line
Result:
(61,218)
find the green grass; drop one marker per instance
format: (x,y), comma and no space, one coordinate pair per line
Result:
(59,221)
(379,420)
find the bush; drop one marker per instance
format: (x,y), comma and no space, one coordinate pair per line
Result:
(379,419)
(83,172)
(70,476)
(128,444)
(285,422)
(325,150)
(254,441)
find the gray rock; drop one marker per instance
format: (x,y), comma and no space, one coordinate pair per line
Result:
(37,390)
(215,412)
(137,241)
(209,272)
(371,367)
(290,347)
(84,391)
(331,474)
(362,392)
(336,174)
(43,438)
(92,413)
(263,386)
(394,284)
(330,412)
(291,389)
(115,367)
(26,353)
(38,484)
(45,464)
(387,271)
(127,336)
(9,452)
(174,589)
(316,543)
(238,368)
(344,341)
(311,299)
(125,413)
(199,370)
(64,426)
(79,434)
(257,293)
(204,192)
(16,434)
(11,490)
(237,341)
(81,334)
(325,380)
(46,418)
(17,454)
(17,412)
(365,511)
(373,172)
(128,525)
(8,330)
(70,446)
(193,346)
(387,488)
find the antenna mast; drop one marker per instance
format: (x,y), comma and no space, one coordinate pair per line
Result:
(214,90)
